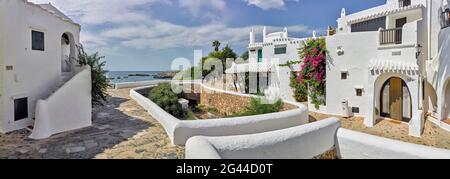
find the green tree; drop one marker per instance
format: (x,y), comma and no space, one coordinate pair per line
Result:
(100,83)
(245,56)
(216,44)
(222,55)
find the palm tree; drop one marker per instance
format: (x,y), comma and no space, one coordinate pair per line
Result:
(216,44)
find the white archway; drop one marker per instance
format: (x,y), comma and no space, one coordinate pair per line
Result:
(67,52)
(380,84)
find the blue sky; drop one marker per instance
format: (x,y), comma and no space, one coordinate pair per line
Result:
(146,35)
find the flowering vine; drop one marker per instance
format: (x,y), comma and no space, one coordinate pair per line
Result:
(313,70)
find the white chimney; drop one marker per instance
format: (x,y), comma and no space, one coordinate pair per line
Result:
(286,35)
(264,34)
(252,37)
(314,34)
(343,13)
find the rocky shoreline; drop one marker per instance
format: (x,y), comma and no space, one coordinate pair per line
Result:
(165,75)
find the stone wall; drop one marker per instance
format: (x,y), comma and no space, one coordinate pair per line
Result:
(229,104)
(226,104)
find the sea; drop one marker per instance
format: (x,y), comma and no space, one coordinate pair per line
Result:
(130,76)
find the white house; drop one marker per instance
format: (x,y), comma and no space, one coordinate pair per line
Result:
(391,62)
(264,62)
(41,85)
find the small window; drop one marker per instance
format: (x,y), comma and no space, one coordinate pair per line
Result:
(20,109)
(344,75)
(37,40)
(404,3)
(355,110)
(359,92)
(280,50)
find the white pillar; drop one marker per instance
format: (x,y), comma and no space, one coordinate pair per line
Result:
(286,33)
(252,37)
(264,34)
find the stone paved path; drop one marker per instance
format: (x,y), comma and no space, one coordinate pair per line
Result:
(121,130)
(432,136)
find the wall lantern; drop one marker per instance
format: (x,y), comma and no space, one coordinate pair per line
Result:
(419,50)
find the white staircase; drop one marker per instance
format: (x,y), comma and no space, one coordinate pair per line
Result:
(64,78)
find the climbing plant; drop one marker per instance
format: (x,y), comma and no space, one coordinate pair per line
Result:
(313,70)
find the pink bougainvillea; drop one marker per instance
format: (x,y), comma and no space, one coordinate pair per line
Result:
(313,70)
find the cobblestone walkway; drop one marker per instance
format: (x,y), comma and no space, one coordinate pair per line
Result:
(121,130)
(432,136)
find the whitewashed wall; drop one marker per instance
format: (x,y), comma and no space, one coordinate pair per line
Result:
(2,66)
(356,145)
(69,108)
(443,74)
(303,142)
(180,131)
(35,72)
(306,142)
(355,59)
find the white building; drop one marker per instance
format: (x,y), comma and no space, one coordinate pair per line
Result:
(391,62)
(40,82)
(264,62)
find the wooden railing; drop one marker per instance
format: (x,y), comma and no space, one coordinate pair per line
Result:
(391,36)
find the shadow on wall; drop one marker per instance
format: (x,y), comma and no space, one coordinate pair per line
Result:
(110,127)
(444,70)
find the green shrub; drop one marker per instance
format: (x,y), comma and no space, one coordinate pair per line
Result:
(165,98)
(256,107)
(212,110)
(100,83)
(300,90)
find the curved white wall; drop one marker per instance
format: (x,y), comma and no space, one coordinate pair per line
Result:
(67,109)
(303,142)
(356,145)
(180,131)
(306,142)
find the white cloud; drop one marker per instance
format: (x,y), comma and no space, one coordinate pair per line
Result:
(269,4)
(129,25)
(210,9)
(104,11)
(161,35)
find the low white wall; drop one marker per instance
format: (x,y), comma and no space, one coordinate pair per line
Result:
(356,145)
(67,109)
(180,131)
(306,142)
(303,142)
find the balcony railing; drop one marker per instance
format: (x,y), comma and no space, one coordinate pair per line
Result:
(391,36)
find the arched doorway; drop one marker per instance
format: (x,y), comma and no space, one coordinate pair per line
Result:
(66,52)
(395,100)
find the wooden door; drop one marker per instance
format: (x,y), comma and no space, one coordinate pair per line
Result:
(396,99)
